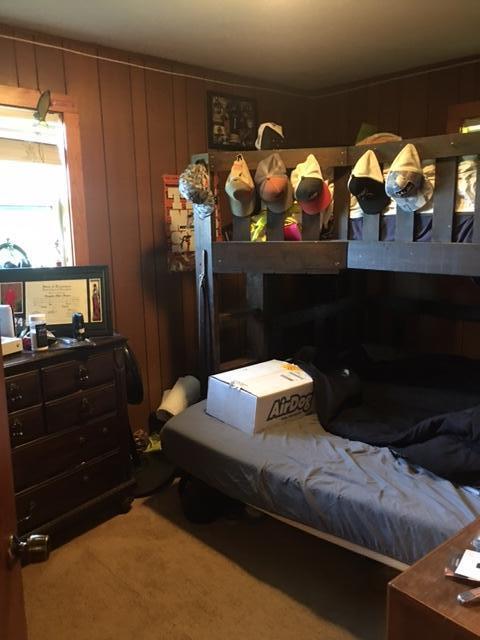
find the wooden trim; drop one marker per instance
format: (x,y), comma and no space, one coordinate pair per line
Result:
(326,156)
(279,257)
(444,258)
(63,105)
(457,113)
(76,188)
(28,98)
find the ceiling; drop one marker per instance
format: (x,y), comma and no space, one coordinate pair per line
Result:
(306,44)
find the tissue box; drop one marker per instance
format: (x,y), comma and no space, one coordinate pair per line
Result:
(256,397)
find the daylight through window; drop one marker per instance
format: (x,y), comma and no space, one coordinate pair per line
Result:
(35,224)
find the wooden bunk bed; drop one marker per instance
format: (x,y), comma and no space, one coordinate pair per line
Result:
(312,256)
(429,509)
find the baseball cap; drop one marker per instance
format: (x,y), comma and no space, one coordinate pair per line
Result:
(406,182)
(270,136)
(194,185)
(367,185)
(240,188)
(309,187)
(273,184)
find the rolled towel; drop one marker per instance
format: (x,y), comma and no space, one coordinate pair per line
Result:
(185,392)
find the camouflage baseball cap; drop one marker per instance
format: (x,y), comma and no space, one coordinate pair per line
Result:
(194,185)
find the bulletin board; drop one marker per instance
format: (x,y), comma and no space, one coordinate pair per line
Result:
(180,230)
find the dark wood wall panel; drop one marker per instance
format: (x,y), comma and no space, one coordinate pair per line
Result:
(8,62)
(50,66)
(25,56)
(153,382)
(115,94)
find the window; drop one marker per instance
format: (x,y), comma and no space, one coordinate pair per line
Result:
(470,125)
(41,181)
(34,200)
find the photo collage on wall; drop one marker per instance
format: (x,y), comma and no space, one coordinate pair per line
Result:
(180,226)
(232,122)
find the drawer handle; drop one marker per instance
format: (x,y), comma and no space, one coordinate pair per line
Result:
(17,428)
(31,507)
(86,477)
(85,406)
(83,373)
(14,392)
(82,440)
(105,430)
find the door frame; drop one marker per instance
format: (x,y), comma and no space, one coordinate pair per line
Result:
(13,624)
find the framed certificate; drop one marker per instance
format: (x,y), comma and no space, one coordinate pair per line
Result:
(59,292)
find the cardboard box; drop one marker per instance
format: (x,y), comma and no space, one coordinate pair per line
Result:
(256,397)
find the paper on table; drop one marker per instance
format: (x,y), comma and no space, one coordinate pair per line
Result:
(57,299)
(469,565)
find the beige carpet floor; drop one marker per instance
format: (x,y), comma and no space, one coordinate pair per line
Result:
(150,575)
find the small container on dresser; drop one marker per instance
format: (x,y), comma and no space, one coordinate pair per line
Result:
(70,434)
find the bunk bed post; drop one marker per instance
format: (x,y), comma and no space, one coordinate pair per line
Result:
(208,334)
(476,215)
(444,199)
(275,225)
(341,202)
(404,225)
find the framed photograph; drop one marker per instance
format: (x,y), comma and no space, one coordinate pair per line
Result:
(58,292)
(12,294)
(95,300)
(232,122)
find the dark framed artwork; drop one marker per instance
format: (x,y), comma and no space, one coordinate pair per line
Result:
(232,121)
(58,292)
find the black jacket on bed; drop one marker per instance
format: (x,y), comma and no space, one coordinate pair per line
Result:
(426,410)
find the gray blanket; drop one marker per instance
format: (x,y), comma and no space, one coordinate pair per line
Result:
(361,493)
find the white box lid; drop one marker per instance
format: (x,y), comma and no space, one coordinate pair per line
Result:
(265,378)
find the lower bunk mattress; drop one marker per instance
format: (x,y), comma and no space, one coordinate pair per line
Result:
(360,493)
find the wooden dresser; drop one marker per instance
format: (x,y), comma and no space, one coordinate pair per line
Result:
(69,431)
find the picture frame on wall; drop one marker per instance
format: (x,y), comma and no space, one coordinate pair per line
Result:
(232,121)
(58,292)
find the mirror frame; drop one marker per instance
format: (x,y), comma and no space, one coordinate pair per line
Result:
(65,107)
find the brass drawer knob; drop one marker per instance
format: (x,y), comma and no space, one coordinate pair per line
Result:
(16,428)
(85,406)
(14,392)
(105,430)
(83,373)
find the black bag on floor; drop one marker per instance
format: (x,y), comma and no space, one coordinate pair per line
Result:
(202,504)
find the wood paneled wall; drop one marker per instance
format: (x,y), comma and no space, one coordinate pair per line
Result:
(136,126)
(410,106)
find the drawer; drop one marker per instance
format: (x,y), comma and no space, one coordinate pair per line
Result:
(26,425)
(60,379)
(66,378)
(63,493)
(23,390)
(80,407)
(51,456)
(100,369)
